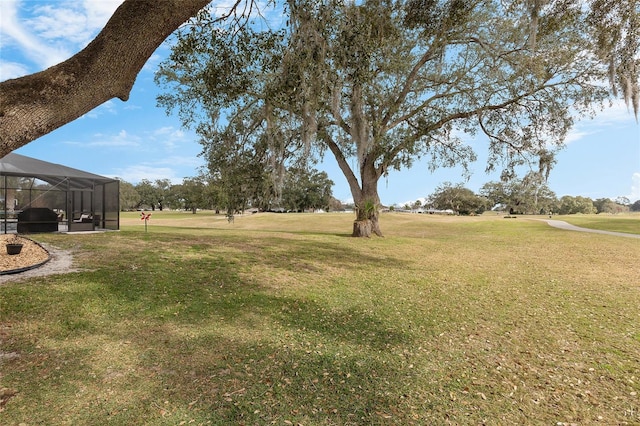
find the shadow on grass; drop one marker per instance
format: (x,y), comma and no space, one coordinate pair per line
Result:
(212,290)
(209,378)
(203,348)
(193,339)
(244,383)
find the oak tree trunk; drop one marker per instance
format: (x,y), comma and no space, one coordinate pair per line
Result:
(366,222)
(367,203)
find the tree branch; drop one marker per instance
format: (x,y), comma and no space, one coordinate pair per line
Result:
(37,104)
(354,185)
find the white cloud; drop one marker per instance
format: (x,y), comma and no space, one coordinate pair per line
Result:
(182,161)
(616,115)
(410,203)
(163,131)
(152,62)
(108,107)
(9,70)
(118,140)
(54,23)
(163,140)
(174,168)
(169,137)
(134,174)
(222,7)
(12,27)
(269,14)
(48,34)
(576,134)
(76,23)
(99,12)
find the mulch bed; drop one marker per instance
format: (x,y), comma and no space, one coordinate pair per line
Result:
(32,254)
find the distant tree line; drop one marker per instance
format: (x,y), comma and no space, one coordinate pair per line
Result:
(301,189)
(529,195)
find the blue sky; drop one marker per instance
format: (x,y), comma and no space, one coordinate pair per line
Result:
(136,140)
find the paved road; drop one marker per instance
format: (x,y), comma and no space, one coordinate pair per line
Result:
(569,227)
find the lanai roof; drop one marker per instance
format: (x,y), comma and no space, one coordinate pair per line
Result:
(19,165)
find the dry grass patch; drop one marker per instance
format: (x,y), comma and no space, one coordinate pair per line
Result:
(282,319)
(629,223)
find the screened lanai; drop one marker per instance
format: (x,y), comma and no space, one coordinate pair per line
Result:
(37,196)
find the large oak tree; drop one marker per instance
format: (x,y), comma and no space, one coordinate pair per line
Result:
(381,83)
(34,105)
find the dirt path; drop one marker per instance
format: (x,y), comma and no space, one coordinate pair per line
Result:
(569,227)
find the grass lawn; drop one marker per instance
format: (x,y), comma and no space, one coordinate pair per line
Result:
(283,319)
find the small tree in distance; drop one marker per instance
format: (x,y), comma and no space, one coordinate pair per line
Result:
(191,194)
(149,194)
(530,195)
(305,189)
(129,197)
(606,205)
(575,205)
(461,200)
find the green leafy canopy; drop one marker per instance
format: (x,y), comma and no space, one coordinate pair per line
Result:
(382,83)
